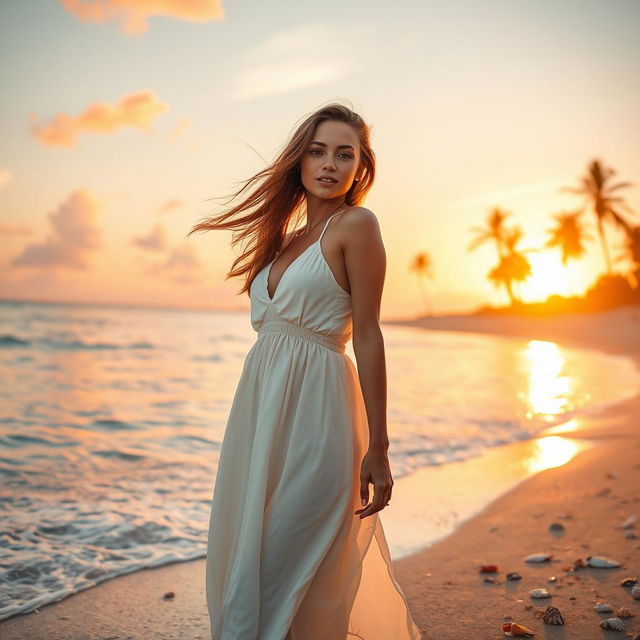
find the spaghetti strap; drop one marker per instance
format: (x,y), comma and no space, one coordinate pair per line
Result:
(326,224)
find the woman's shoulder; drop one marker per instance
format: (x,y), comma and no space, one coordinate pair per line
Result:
(360,219)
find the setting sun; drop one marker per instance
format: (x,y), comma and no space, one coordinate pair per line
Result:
(548,277)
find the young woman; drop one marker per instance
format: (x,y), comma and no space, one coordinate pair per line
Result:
(296,549)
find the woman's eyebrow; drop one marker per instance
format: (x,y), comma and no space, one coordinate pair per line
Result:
(340,146)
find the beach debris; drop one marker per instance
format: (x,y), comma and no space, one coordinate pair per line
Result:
(539,557)
(169,595)
(603,492)
(556,526)
(628,582)
(553,616)
(624,612)
(612,475)
(630,522)
(539,593)
(488,568)
(492,580)
(635,592)
(615,624)
(630,535)
(603,607)
(602,562)
(567,515)
(514,629)
(553,579)
(513,576)
(494,528)
(579,563)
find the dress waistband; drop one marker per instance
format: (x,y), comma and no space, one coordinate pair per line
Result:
(279,325)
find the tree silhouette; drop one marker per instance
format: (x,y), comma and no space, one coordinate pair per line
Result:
(632,252)
(568,235)
(494,231)
(422,264)
(596,187)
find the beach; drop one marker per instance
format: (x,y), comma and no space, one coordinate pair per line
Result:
(590,497)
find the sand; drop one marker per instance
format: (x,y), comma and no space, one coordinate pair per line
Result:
(448,597)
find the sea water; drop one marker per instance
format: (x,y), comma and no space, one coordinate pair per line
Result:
(112,420)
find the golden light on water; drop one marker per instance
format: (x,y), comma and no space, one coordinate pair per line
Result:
(548,391)
(551,451)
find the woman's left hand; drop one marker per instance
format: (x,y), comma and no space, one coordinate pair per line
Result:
(375,470)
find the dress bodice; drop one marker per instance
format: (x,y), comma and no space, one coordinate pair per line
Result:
(307,294)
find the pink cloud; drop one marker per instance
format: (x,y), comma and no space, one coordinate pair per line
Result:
(134,110)
(132,14)
(182,265)
(73,237)
(170,205)
(155,240)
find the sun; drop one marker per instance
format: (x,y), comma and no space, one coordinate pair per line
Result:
(548,276)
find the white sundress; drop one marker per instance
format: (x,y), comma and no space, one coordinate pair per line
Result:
(286,551)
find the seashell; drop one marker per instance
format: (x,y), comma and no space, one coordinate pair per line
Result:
(635,592)
(556,526)
(488,568)
(539,557)
(612,623)
(603,607)
(630,522)
(624,612)
(627,582)
(513,576)
(601,562)
(514,629)
(553,616)
(539,593)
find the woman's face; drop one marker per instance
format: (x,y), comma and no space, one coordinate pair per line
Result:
(334,151)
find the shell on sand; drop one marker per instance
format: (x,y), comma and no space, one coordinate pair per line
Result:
(630,522)
(635,592)
(601,562)
(553,616)
(512,629)
(627,582)
(624,612)
(539,557)
(603,607)
(539,593)
(616,624)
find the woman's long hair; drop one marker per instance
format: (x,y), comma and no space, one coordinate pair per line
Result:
(280,194)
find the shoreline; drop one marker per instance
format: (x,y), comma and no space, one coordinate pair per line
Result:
(442,580)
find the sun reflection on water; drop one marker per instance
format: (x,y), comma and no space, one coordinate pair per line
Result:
(549,391)
(551,451)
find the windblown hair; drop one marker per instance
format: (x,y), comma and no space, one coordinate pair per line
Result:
(279,195)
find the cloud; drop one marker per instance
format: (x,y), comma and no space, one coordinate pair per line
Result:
(170,205)
(5,177)
(156,240)
(15,230)
(74,236)
(294,59)
(133,110)
(132,14)
(179,128)
(182,265)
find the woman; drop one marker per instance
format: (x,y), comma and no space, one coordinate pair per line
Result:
(290,554)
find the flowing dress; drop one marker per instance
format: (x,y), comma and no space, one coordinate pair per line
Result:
(286,552)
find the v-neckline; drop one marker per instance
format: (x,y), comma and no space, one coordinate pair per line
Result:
(270,298)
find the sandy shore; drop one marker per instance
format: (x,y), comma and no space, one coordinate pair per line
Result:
(449,599)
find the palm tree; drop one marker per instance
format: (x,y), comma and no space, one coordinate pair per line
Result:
(632,252)
(495,230)
(513,266)
(596,187)
(422,264)
(568,235)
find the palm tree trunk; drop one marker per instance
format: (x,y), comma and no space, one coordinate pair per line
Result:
(605,249)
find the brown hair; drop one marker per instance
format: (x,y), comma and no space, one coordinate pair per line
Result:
(281,194)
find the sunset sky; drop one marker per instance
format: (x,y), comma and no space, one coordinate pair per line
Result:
(121,119)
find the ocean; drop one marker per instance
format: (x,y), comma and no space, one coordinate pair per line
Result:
(112,420)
